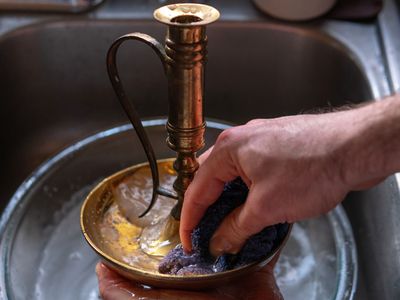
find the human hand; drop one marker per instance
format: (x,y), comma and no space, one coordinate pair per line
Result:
(295,167)
(257,286)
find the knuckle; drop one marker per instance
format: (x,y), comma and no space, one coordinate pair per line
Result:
(238,233)
(254,219)
(227,136)
(242,229)
(197,203)
(254,122)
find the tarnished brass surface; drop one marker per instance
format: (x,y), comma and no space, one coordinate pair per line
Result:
(117,240)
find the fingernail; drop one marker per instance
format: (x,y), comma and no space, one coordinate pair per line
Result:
(220,245)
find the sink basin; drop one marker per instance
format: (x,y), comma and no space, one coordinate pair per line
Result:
(55,91)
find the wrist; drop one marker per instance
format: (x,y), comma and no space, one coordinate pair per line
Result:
(371,148)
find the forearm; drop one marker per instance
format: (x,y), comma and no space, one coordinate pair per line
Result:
(373,141)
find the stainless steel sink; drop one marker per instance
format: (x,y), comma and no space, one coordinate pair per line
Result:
(54,91)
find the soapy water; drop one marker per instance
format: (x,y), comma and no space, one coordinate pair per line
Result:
(307,267)
(134,192)
(67,266)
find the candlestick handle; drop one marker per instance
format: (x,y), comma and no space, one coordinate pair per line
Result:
(131,111)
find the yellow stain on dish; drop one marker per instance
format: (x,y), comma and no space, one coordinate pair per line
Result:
(125,233)
(127,236)
(168,169)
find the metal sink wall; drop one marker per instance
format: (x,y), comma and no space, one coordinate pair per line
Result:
(55,90)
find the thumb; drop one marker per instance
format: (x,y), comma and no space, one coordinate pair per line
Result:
(245,221)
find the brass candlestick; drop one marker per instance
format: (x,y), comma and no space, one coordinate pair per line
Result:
(183,59)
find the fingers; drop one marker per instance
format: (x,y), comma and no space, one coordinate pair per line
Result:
(236,228)
(204,190)
(246,220)
(260,285)
(114,287)
(111,285)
